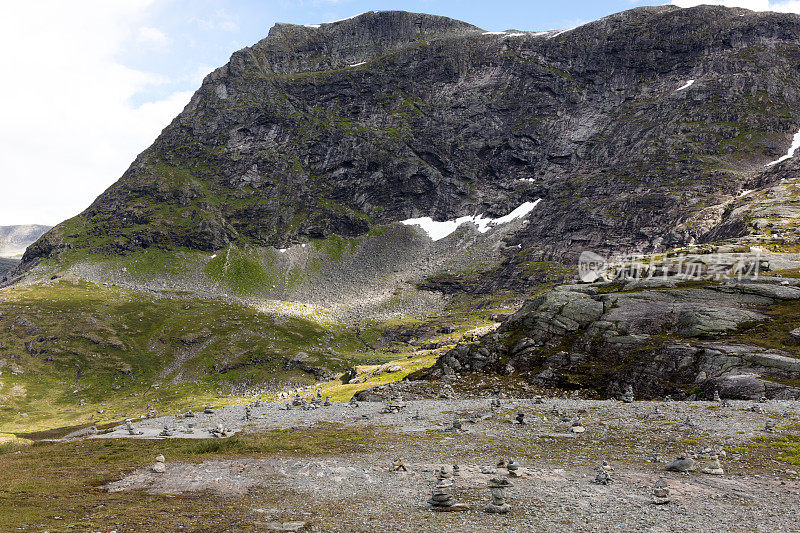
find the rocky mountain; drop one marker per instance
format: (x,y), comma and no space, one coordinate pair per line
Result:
(15,239)
(403,194)
(636,131)
(13,242)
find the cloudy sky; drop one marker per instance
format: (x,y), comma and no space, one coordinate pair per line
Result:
(88,84)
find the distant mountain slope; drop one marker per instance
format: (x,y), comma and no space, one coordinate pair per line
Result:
(14,239)
(7,264)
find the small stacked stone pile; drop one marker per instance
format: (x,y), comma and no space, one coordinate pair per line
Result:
(442,498)
(716,395)
(577,426)
(520,419)
(297,401)
(627,396)
(769,426)
(513,469)
(714,467)
(208,411)
(166,432)
(248,413)
(317,401)
(327,402)
(395,405)
(189,414)
(660,492)
(494,404)
(220,431)
(498,504)
(603,476)
(353,402)
(159,467)
(131,429)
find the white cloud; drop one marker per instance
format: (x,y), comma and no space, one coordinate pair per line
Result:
(152,36)
(789,6)
(222,20)
(68,127)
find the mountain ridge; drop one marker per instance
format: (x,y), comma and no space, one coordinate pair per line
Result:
(255,172)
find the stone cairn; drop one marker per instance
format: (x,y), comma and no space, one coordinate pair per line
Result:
(627,396)
(498,504)
(189,414)
(520,419)
(442,498)
(577,426)
(131,430)
(399,466)
(513,469)
(353,402)
(714,467)
(220,431)
(208,411)
(716,396)
(395,405)
(317,401)
(248,413)
(297,401)
(769,426)
(327,402)
(159,467)
(456,471)
(603,476)
(494,404)
(166,432)
(660,492)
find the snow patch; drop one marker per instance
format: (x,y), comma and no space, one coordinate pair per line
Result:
(505,33)
(745,192)
(529,180)
(795,145)
(440,230)
(685,86)
(313,26)
(358,64)
(282,250)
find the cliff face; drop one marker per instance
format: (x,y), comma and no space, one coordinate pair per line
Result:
(636,131)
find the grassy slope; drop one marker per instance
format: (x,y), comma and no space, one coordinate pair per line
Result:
(112,348)
(77,353)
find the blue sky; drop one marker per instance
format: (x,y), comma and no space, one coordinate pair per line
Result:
(94,81)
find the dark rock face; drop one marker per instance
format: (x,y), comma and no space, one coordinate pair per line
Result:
(392,115)
(660,341)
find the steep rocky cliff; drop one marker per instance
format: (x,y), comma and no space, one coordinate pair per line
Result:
(637,131)
(739,338)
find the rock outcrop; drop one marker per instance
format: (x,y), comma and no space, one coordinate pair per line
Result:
(660,341)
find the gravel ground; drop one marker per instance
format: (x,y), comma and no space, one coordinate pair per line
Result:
(556,493)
